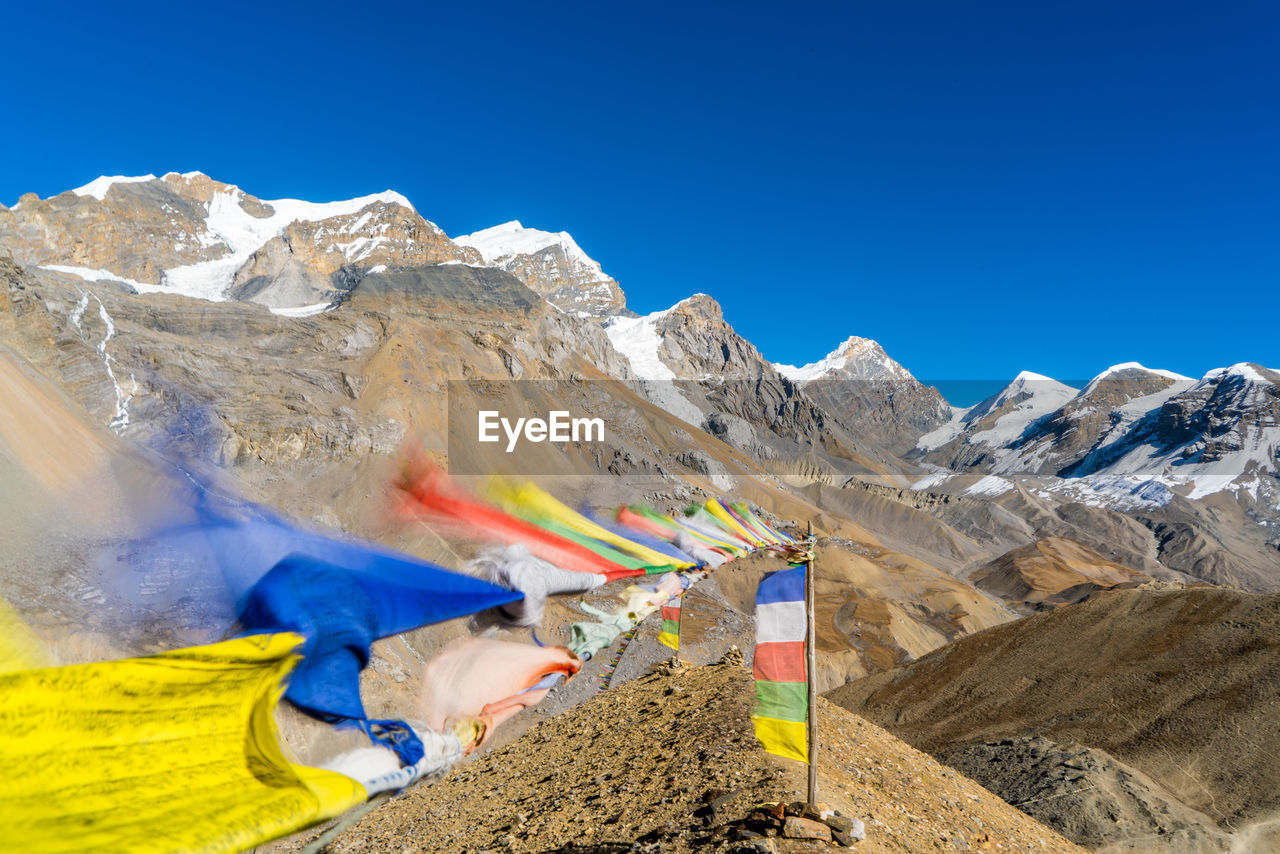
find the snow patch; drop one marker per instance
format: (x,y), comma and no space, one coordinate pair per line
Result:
(940,436)
(930,481)
(120,419)
(1117,492)
(990,486)
(303,310)
(97,188)
(637,338)
(95,275)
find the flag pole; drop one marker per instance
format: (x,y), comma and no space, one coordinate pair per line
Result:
(810,667)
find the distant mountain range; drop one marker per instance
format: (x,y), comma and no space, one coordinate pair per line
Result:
(1132,440)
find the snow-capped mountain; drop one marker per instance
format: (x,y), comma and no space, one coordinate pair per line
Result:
(863,387)
(977,435)
(190,235)
(1218,430)
(856,358)
(551,264)
(1130,421)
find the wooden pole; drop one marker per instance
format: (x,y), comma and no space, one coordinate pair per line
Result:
(810,672)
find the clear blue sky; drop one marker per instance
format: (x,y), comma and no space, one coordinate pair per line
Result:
(981,187)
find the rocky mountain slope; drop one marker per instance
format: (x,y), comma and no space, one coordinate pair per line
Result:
(972,434)
(192,235)
(699,368)
(1195,462)
(669,762)
(1179,683)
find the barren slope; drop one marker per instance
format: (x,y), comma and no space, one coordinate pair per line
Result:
(670,761)
(1052,571)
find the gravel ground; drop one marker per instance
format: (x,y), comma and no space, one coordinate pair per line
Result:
(668,763)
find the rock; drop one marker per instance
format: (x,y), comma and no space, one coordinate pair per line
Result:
(758,846)
(778,811)
(733,656)
(839,822)
(848,838)
(803,828)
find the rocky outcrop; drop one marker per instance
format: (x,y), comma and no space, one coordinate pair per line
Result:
(863,387)
(315,262)
(550,264)
(696,346)
(135,230)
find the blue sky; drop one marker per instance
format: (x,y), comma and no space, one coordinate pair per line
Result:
(981,187)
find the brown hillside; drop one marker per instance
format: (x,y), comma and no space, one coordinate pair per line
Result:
(1052,571)
(1182,684)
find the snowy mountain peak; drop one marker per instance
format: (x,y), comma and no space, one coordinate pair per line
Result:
(1028,385)
(1003,416)
(551,264)
(512,238)
(1249,371)
(1025,377)
(204,238)
(1135,366)
(1133,381)
(855,358)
